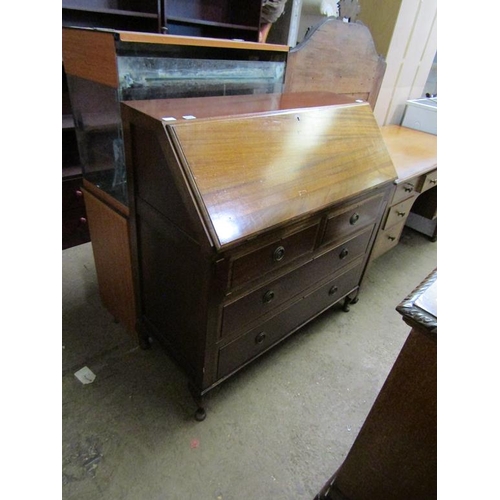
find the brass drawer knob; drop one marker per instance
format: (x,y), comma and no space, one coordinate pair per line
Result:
(268,296)
(279,254)
(401,214)
(354,218)
(409,188)
(260,337)
(344,253)
(391,238)
(433,181)
(333,290)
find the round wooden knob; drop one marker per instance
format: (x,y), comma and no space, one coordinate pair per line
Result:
(260,338)
(279,254)
(268,296)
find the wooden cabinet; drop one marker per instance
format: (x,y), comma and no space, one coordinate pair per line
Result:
(74,218)
(394,455)
(414,155)
(248,224)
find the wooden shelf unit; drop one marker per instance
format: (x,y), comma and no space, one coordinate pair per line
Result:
(204,18)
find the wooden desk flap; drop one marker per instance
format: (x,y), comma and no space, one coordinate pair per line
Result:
(250,173)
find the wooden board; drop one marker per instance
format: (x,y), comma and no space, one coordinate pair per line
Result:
(111,247)
(336,57)
(90,55)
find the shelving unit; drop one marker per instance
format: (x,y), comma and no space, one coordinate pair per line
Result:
(229,19)
(219,18)
(132,15)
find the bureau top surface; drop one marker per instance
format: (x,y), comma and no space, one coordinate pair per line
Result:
(413,152)
(274,158)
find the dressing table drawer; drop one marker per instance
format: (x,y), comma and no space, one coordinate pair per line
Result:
(429,181)
(398,213)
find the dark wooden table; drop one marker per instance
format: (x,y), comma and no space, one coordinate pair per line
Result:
(394,456)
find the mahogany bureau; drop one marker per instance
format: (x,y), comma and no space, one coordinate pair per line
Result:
(250,216)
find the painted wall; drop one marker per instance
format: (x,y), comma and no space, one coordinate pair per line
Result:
(380,17)
(410,57)
(309,17)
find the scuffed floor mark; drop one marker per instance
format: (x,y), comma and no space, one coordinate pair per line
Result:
(82,459)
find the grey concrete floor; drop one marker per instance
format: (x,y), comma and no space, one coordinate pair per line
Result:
(277,430)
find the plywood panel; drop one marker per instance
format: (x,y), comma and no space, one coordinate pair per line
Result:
(110,244)
(91,56)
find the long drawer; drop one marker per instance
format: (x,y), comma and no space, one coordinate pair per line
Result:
(263,300)
(259,339)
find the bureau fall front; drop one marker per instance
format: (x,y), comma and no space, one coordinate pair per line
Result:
(250,216)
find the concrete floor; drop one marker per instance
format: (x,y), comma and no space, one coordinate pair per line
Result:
(277,430)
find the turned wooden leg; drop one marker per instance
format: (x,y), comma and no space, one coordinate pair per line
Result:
(348,301)
(200,414)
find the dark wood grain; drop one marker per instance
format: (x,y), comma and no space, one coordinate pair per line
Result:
(337,57)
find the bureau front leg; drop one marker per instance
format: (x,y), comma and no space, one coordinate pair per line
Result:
(350,299)
(200,414)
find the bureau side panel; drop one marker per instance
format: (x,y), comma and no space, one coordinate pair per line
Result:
(173,279)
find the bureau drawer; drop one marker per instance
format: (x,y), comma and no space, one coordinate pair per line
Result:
(387,239)
(274,255)
(248,308)
(399,212)
(347,220)
(405,190)
(259,339)
(429,181)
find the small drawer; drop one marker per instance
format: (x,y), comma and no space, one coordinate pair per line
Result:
(405,190)
(398,213)
(429,181)
(387,239)
(72,195)
(75,230)
(235,354)
(274,255)
(236,315)
(349,220)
